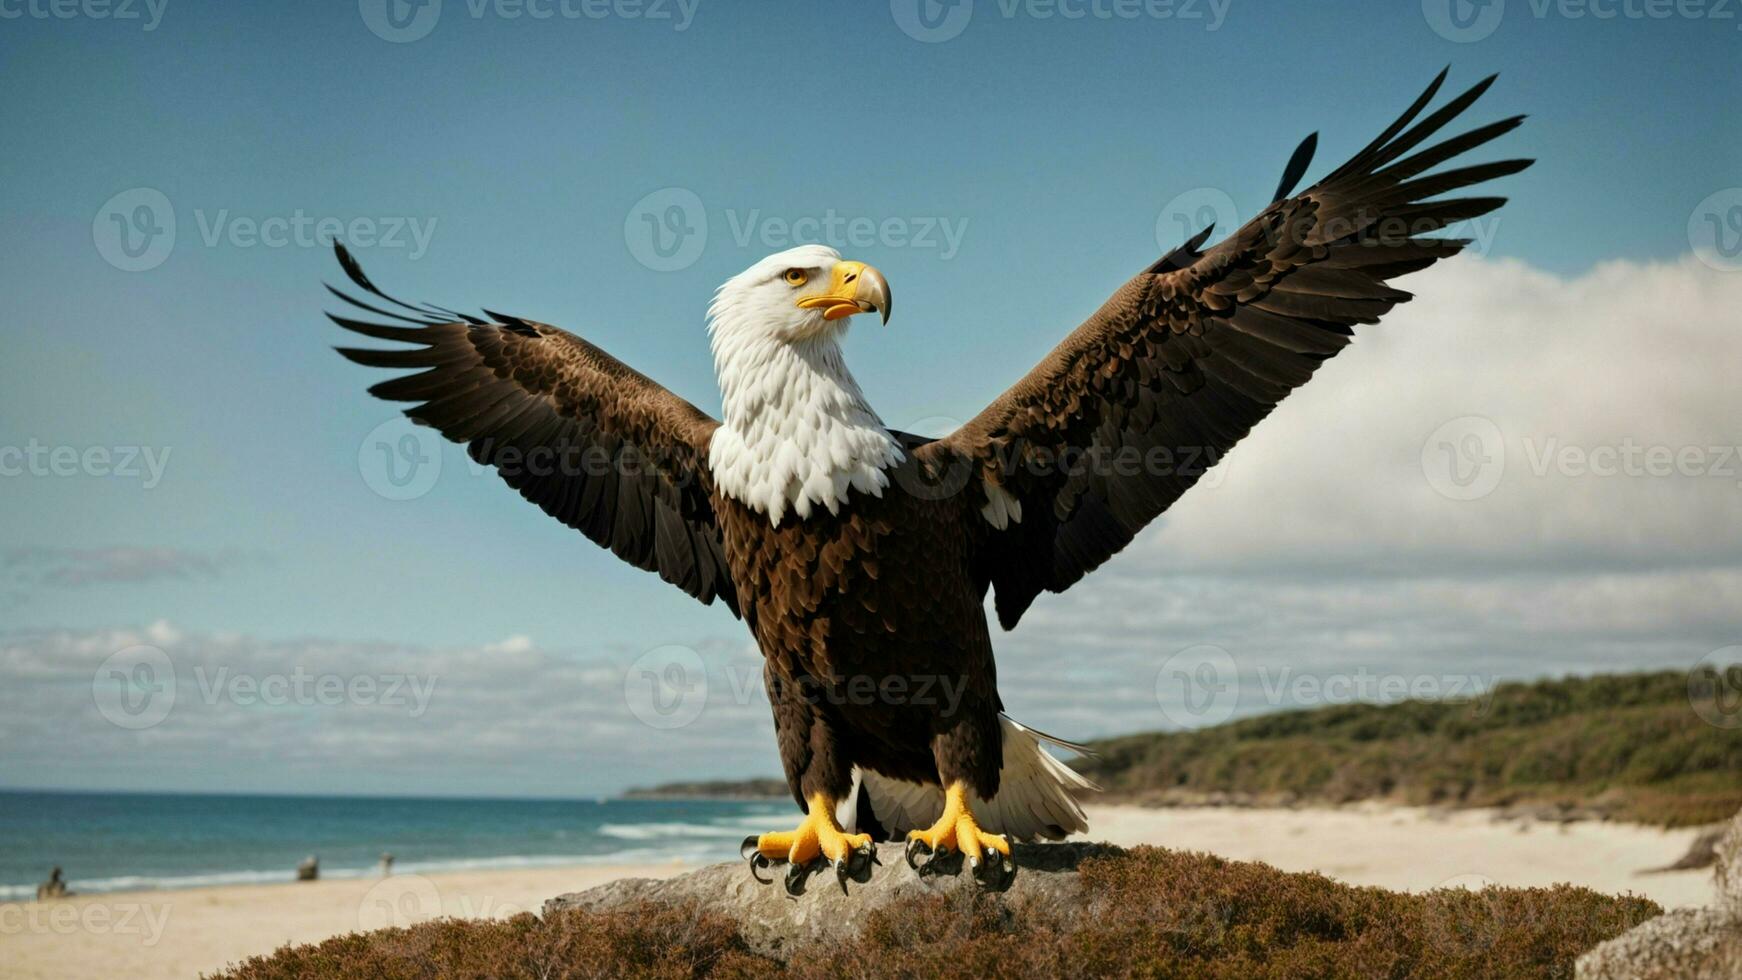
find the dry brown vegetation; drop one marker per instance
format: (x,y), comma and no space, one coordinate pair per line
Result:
(1149,913)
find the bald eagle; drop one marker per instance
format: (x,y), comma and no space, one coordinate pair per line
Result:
(860,557)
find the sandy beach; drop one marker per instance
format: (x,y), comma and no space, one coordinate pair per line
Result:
(186,932)
(1417,849)
(183,933)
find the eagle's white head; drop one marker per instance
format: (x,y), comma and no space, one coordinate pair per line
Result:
(797,433)
(795,295)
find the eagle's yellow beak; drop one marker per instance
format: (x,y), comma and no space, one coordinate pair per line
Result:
(854,287)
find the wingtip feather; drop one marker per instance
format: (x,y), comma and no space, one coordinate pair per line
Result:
(1296,168)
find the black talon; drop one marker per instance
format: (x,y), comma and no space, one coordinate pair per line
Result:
(841,874)
(795,879)
(1002,873)
(991,875)
(917,845)
(857,859)
(752,854)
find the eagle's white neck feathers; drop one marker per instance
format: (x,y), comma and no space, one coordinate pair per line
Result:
(797,432)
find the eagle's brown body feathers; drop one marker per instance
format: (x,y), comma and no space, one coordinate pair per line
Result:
(875,638)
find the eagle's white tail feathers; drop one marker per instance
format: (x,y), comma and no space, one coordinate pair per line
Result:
(847,811)
(1037,794)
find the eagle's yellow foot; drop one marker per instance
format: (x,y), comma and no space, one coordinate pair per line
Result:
(818,836)
(957,831)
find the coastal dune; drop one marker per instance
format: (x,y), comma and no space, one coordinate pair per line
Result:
(183,933)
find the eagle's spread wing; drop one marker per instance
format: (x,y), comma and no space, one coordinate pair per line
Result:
(1183,360)
(597,445)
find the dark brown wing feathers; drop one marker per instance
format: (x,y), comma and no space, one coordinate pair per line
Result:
(592,442)
(1184,359)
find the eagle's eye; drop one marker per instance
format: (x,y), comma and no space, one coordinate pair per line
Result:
(795,277)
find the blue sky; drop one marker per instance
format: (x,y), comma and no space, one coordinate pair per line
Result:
(1050,148)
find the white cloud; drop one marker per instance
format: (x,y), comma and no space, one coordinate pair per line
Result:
(1327,547)
(1629,354)
(517,643)
(310,715)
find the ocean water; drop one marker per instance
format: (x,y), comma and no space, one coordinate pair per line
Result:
(123,841)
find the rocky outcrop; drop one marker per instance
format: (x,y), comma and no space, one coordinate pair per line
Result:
(770,919)
(1685,944)
(1729,865)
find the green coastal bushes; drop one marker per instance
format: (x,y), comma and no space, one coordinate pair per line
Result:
(1662,748)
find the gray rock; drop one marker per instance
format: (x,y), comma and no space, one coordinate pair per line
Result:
(1686,944)
(1729,865)
(772,921)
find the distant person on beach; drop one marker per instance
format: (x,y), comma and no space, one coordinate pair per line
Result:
(386,864)
(309,869)
(54,887)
